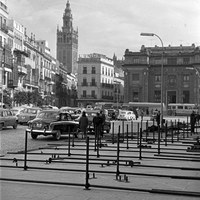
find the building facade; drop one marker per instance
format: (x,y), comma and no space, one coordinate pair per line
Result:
(181,80)
(67,42)
(95,79)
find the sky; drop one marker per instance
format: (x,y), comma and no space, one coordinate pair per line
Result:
(110,27)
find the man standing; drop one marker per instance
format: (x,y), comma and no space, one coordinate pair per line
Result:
(103,119)
(192,121)
(83,123)
(158,118)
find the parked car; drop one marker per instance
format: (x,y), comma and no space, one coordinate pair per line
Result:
(17,110)
(74,111)
(52,122)
(126,115)
(7,119)
(28,114)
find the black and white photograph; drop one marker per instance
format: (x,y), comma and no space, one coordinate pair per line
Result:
(99,99)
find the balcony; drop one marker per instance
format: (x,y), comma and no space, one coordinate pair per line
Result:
(22,70)
(93,84)
(84,84)
(88,96)
(12,84)
(107,97)
(4,28)
(107,85)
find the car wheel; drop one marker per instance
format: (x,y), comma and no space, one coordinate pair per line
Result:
(15,125)
(1,127)
(34,136)
(57,136)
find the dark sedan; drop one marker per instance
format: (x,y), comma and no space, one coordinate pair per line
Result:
(52,122)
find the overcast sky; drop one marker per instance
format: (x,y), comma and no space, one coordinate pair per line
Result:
(112,26)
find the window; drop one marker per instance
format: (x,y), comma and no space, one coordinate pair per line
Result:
(93,82)
(84,70)
(172,80)
(172,61)
(93,93)
(102,70)
(157,95)
(135,77)
(84,93)
(135,96)
(93,70)
(186,78)
(84,82)
(186,60)
(186,96)
(157,78)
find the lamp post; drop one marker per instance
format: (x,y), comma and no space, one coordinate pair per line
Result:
(162,61)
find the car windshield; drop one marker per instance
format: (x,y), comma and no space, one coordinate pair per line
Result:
(123,113)
(31,111)
(47,115)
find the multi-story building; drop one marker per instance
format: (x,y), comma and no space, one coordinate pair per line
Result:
(181,80)
(19,71)
(6,43)
(67,42)
(95,79)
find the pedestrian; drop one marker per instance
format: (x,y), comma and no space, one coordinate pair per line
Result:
(83,123)
(192,121)
(103,119)
(142,114)
(158,118)
(97,124)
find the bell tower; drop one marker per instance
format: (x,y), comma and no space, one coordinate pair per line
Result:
(67,42)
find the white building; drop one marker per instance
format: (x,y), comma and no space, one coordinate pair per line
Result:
(95,79)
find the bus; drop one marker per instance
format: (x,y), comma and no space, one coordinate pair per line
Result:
(107,105)
(147,107)
(182,109)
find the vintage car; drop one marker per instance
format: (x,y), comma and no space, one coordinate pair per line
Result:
(126,115)
(52,122)
(7,118)
(28,114)
(17,110)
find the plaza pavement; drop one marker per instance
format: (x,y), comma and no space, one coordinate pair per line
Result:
(174,174)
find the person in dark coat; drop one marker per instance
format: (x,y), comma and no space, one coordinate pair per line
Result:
(158,118)
(192,121)
(103,120)
(83,123)
(97,122)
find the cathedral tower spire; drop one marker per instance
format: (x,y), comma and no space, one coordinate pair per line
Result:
(67,42)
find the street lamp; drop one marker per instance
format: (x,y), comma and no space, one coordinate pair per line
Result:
(162,61)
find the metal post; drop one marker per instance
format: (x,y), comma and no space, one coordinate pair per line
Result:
(159,138)
(69,141)
(166,134)
(140,149)
(25,151)
(87,185)
(127,137)
(113,133)
(118,150)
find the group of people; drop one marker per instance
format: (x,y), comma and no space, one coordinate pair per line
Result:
(98,122)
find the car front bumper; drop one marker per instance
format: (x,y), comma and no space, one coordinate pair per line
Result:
(41,132)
